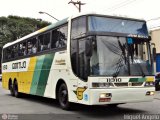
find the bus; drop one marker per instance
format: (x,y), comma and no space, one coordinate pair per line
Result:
(90,59)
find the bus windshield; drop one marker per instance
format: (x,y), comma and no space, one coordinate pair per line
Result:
(120,56)
(119,47)
(125,26)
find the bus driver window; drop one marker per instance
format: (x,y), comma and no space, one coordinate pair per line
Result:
(94,62)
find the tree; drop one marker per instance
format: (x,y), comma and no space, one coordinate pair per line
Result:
(15,27)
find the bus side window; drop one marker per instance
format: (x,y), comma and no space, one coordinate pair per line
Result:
(59,37)
(44,41)
(62,37)
(14,52)
(54,38)
(78,27)
(22,49)
(8,53)
(32,46)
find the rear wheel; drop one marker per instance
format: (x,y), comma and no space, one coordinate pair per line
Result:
(11,89)
(63,97)
(15,89)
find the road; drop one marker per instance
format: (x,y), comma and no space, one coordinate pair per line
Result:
(33,107)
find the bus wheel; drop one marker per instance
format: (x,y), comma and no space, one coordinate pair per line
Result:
(15,89)
(63,97)
(11,89)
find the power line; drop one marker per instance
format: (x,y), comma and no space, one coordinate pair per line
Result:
(153,19)
(154,27)
(114,6)
(117,6)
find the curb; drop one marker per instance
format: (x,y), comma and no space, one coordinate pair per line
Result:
(157,98)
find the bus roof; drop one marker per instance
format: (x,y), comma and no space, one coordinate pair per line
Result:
(61,22)
(111,16)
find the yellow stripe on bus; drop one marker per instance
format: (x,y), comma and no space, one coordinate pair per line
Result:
(150,79)
(29,75)
(24,79)
(42,30)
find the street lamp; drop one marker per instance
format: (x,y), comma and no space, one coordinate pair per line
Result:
(48,15)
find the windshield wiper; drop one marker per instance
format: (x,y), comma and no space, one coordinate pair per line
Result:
(120,61)
(143,74)
(119,65)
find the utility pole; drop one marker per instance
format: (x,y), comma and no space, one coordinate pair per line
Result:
(79,3)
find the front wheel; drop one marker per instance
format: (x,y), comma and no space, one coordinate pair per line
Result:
(63,97)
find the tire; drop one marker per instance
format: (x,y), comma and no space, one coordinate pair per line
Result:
(157,85)
(15,89)
(63,97)
(11,89)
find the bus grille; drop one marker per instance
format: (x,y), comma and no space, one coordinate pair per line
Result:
(137,83)
(121,84)
(128,84)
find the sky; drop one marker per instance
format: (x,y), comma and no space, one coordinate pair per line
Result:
(143,9)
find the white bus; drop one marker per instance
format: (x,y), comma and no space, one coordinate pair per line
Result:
(89,59)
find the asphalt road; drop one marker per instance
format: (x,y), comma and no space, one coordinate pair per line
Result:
(38,108)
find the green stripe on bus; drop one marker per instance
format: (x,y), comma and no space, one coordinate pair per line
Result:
(141,79)
(44,74)
(133,80)
(37,72)
(137,79)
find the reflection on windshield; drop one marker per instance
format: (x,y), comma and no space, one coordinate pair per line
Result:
(113,56)
(139,61)
(125,26)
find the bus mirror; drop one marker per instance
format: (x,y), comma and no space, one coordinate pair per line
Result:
(88,47)
(154,53)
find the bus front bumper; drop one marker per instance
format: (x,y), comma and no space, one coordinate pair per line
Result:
(121,95)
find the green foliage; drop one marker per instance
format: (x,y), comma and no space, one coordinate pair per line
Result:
(15,27)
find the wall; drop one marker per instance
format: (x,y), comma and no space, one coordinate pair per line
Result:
(155,35)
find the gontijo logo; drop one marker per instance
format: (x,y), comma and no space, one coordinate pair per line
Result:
(19,65)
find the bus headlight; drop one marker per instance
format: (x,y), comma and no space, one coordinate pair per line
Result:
(149,84)
(150,93)
(105,97)
(102,85)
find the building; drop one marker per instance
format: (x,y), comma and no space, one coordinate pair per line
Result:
(155,35)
